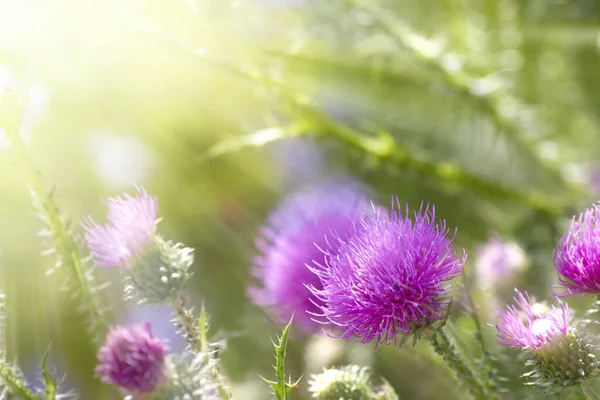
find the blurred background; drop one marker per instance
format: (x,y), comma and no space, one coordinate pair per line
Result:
(487,108)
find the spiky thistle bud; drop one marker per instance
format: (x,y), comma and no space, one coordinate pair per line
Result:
(133,360)
(156,269)
(561,356)
(350,382)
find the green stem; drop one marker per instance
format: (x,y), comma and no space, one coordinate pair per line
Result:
(195,334)
(15,385)
(465,374)
(489,370)
(187,323)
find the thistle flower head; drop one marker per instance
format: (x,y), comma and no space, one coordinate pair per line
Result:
(498,262)
(133,359)
(530,325)
(157,269)
(292,238)
(390,278)
(577,255)
(349,383)
(560,356)
(130,227)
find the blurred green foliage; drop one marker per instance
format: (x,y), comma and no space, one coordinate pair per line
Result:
(487,108)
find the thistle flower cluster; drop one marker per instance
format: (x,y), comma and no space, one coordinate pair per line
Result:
(359,272)
(561,355)
(156,270)
(368,276)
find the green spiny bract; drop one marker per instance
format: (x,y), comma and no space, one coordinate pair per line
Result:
(566,361)
(350,382)
(158,274)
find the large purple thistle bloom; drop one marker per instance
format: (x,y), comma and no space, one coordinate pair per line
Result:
(524,326)
(131,225)
(389,279)
(577,255)
(133,359)
(292,238)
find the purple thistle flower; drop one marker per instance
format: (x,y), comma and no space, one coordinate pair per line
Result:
(389,278)
(577,255)
(131,225)
(292,238)
(527,327)
(133,359)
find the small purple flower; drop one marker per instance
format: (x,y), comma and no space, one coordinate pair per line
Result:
(498,262)
(133,359)
(390,278)
(293,237)
(529,325)
(131,225)
(577,255)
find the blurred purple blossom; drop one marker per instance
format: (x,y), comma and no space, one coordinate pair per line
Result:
(530,325)
(498,262)
(391,278)
(293,237)
(133,359)
(131,225)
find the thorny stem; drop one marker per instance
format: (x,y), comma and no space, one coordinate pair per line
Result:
(65,243)
(473,313)
(195,334)
(443,347)
(186,322)
(15,385)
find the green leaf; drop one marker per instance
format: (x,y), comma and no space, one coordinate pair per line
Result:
(257,139)
(281,387)
(49,380)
